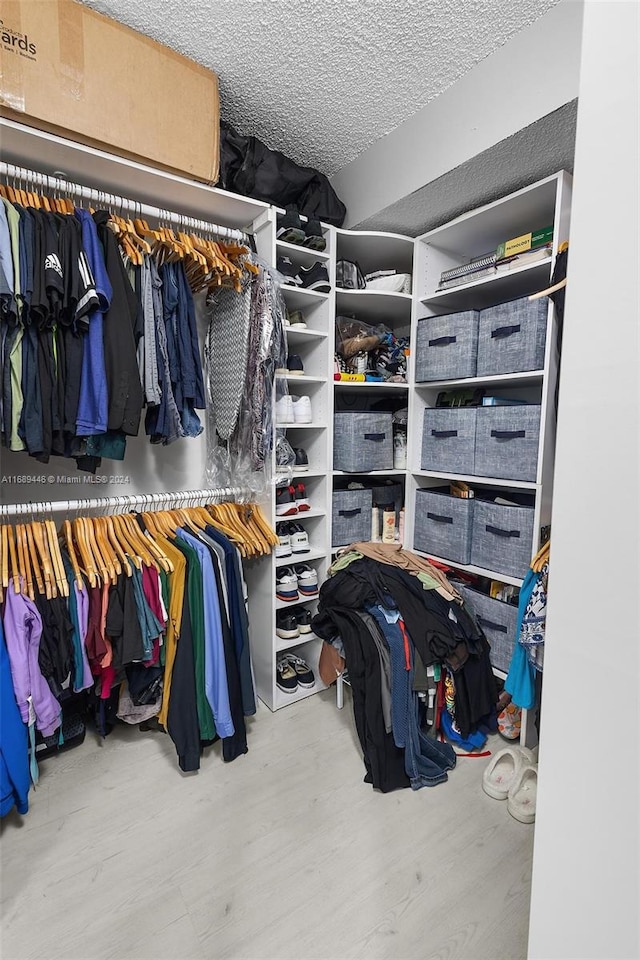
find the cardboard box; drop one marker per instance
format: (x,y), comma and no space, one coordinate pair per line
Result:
(71,71)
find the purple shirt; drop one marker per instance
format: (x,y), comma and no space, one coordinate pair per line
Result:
(22,630)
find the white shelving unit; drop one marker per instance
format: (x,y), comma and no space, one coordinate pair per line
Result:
(373,251)
(454,243)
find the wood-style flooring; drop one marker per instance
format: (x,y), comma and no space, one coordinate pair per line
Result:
(284,854)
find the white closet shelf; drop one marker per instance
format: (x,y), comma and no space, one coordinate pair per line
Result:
(517,379)
(300,254)
(370,473)
(282,645)
(301,378)
(46,152)
(368,385)
(300,297)
(491,290)
(470,568)
(375,305)
(480,481)
(299,557)
(301,426)
(282,604)
(283,699)
(306,514)
(301,334)
(374,250)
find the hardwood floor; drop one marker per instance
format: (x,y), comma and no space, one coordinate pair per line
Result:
(284,854)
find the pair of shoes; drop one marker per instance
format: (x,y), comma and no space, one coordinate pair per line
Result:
(293,409)
(294,366)
(315,277)
(512,775)
(292,672)
(296,581)
(291,500)
(292,538)
(294,318)
(291,623)
(290,229)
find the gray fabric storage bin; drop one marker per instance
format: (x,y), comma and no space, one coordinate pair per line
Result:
(350,517)
(388,493)
(443,525)
(507,441)
(448,439)
(446,347)
(498,621)
(511,337)
(502,537)
(362,442)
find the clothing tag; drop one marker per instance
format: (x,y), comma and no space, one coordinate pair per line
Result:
(431,670)
(452,615)
(32,712)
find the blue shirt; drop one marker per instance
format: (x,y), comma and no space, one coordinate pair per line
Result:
(215,670)
(93,403)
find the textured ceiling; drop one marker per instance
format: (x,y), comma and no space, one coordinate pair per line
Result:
(323,79)
(535,152)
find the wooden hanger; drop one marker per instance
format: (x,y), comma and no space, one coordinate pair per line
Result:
(123,536)
(27,589)
(84,551)
(34,559)
(58,566)
(71,550)
(49,579)
(4,559)
(107,552)
(15,571)
(117,546)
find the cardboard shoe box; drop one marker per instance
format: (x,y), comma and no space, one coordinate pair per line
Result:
(71,71)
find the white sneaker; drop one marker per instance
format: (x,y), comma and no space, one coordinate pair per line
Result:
(283,546)
(301,409)
(299,539)
(285,409)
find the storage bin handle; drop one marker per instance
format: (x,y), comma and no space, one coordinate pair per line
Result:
(376,437)
(505,331)
(444,434)
(439,518)
(442,341)
(502,533)
(490,625)
(508,434)
(350,513)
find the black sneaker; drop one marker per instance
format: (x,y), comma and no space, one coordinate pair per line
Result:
(289,227)
(286,676)
(287,625)
(302,460)
(314,238)
(289,271)
(295,365)
(303,619)
(315,277)
(303,672)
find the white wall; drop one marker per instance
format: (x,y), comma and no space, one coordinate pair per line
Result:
(530,76)
(586,898)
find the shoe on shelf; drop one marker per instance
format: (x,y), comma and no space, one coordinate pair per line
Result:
(287,584)
(521,802)
(303,619)
(294,365)
(315,277)
(289,227)
(296,319)
(304,674)
(286,677)
(313,236)
(283,546)
(298,538)
(300,495)
(286,502)
(285,412)
(289,271)
(302,460)
(307,579)
(301,409)
(287,625)
(503,770)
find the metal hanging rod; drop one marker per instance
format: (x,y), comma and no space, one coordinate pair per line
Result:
(150,501)
(52,184)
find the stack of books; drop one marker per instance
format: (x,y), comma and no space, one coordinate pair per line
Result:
(510,255)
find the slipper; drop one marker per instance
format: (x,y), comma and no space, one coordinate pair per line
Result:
(503,771)
(521,802)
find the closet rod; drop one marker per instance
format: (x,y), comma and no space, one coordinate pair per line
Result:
(93,194)
(150,501)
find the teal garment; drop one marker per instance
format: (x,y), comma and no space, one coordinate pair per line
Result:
(111,445)
(150,626)
(520,682)
(164,587)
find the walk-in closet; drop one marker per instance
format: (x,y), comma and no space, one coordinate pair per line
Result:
(313,594)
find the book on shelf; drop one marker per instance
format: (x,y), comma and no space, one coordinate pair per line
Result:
(526,241)
(523,259)
(477,263)
(467,278)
